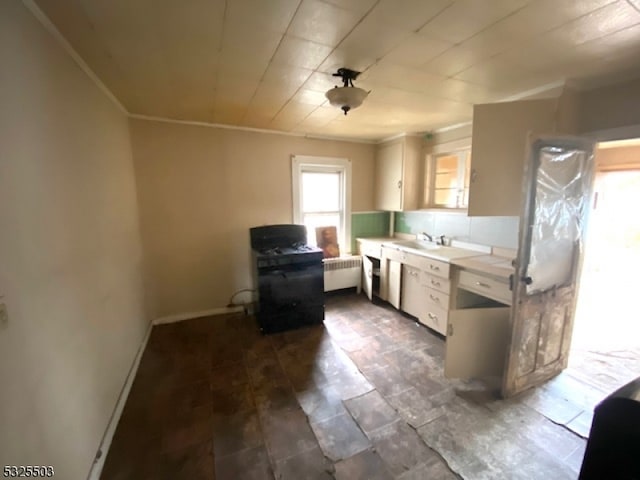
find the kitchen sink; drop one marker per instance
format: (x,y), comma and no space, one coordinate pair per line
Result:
(417,245)
(432,249)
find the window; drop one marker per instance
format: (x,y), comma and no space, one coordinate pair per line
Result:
(448,179)
(322,196)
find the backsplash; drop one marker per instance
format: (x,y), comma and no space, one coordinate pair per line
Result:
(494,231)
(368,224)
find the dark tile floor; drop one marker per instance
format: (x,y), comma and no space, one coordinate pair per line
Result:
(362,397)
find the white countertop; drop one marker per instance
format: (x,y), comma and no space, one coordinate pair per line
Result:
(489,264)
(442,253)
(376,239)
(480,261)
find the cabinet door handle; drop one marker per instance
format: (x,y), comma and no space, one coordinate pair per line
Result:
(433,282)
(474,175)
(432,316)
(434,267)
(482,284)
(435,299)
(399,183)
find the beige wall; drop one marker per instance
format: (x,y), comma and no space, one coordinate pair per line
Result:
(614,106)
(202,188)
(70,253)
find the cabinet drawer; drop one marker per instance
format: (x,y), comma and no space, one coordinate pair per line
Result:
(434,267)
(403,257)
(370,249)
(437,283)
(485,286)
(435,317)
(436,298)
(410,271)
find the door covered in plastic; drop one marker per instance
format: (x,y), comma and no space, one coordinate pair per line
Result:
(556,199)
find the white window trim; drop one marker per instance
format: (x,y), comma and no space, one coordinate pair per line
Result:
(333,164)
(461,155)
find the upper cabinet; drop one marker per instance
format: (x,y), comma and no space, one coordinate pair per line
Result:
(397,174)
(499,140)
(498,145)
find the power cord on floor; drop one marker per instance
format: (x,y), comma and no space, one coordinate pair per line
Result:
(245,305)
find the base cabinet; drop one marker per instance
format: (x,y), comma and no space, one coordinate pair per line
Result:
(371,272)
(435,317)
(476,345)
(479,328)
(367,276)
(394,282)
(411,296)
(419,286)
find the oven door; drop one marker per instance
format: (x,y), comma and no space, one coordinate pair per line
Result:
(286,286)
(290,296)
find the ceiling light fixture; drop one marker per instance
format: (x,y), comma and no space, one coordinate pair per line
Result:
(346,97)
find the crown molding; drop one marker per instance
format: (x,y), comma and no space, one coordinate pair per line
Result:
(455,126)
(150,118)
(397,136)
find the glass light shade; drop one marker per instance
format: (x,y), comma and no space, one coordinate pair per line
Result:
(346,98)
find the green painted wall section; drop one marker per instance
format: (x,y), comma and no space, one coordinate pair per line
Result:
(368,224)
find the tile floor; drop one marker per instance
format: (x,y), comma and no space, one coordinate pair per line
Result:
(362,397)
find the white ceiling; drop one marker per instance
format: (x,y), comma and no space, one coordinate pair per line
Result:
(267,63)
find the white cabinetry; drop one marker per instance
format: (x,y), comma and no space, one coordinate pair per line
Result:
(498,148)
(412,296)
(498,151)
(397,174)
(478,326)
(435,291)
(371,251)
(392,278)
(422,288)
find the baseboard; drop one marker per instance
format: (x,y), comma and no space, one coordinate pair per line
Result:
(204,313)
(105,444)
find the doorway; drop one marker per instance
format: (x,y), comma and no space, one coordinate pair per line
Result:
(605,349)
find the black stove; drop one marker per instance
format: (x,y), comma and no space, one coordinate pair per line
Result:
(288,255)
(289,277)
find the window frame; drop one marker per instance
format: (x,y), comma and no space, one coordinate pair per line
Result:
(459,148)
(308,163)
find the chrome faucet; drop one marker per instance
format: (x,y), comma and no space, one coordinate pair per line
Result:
(427,236)
(438,239)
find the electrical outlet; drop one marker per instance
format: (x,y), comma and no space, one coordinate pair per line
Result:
(4,315)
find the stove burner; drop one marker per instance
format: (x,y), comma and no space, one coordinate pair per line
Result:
(297,247)
(271,251)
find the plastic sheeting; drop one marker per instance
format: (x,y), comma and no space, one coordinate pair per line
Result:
(562,193)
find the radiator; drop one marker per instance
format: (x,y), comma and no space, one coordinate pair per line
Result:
(342,272)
